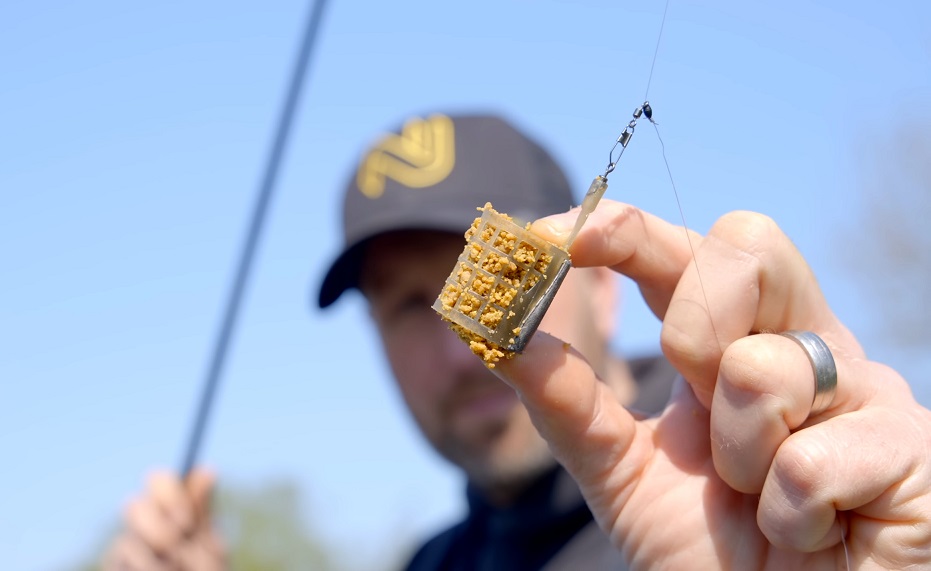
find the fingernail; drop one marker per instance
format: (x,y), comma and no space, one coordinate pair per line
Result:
(558,225)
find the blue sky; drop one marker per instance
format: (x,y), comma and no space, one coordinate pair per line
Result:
(132,139)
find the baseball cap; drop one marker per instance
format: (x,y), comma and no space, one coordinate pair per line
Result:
(431,174)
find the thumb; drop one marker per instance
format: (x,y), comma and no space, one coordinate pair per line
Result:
(587,428)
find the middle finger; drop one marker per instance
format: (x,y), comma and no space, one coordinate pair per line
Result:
(747,277)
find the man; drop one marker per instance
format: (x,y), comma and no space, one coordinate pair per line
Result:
(404,230)
(796,472)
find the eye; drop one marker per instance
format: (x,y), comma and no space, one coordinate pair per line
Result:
(397,305)
(410,313)
(412,303)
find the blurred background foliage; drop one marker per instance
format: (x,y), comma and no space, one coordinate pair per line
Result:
(887,246)
(264,530)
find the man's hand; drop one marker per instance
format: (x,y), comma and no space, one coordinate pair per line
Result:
(735,473)
(168,528)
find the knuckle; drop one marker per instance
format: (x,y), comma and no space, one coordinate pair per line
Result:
(679,342)
(748,231)
(620,215)
(746,366)
(799,467)
(679,345)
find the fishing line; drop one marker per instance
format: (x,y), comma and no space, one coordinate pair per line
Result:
(265,191)
(672,182)
(645,110)
(659,38)
(688,236)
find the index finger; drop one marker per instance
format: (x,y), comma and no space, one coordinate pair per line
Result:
(647,249)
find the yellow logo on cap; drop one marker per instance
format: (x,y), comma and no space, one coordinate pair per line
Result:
(422,155)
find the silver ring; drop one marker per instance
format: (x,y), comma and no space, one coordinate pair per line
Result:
(822,364)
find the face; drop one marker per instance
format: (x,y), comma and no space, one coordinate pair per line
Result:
(467,414)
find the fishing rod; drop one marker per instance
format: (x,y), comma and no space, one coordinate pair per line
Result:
(265,192)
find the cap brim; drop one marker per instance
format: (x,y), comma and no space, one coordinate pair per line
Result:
(342,275)
(344,272)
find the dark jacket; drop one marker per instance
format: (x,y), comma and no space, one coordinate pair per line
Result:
(549,527)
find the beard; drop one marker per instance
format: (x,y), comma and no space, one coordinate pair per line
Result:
(505,478)
(500,456)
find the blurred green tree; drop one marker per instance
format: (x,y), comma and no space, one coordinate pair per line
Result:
(890,242)
(263,530)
